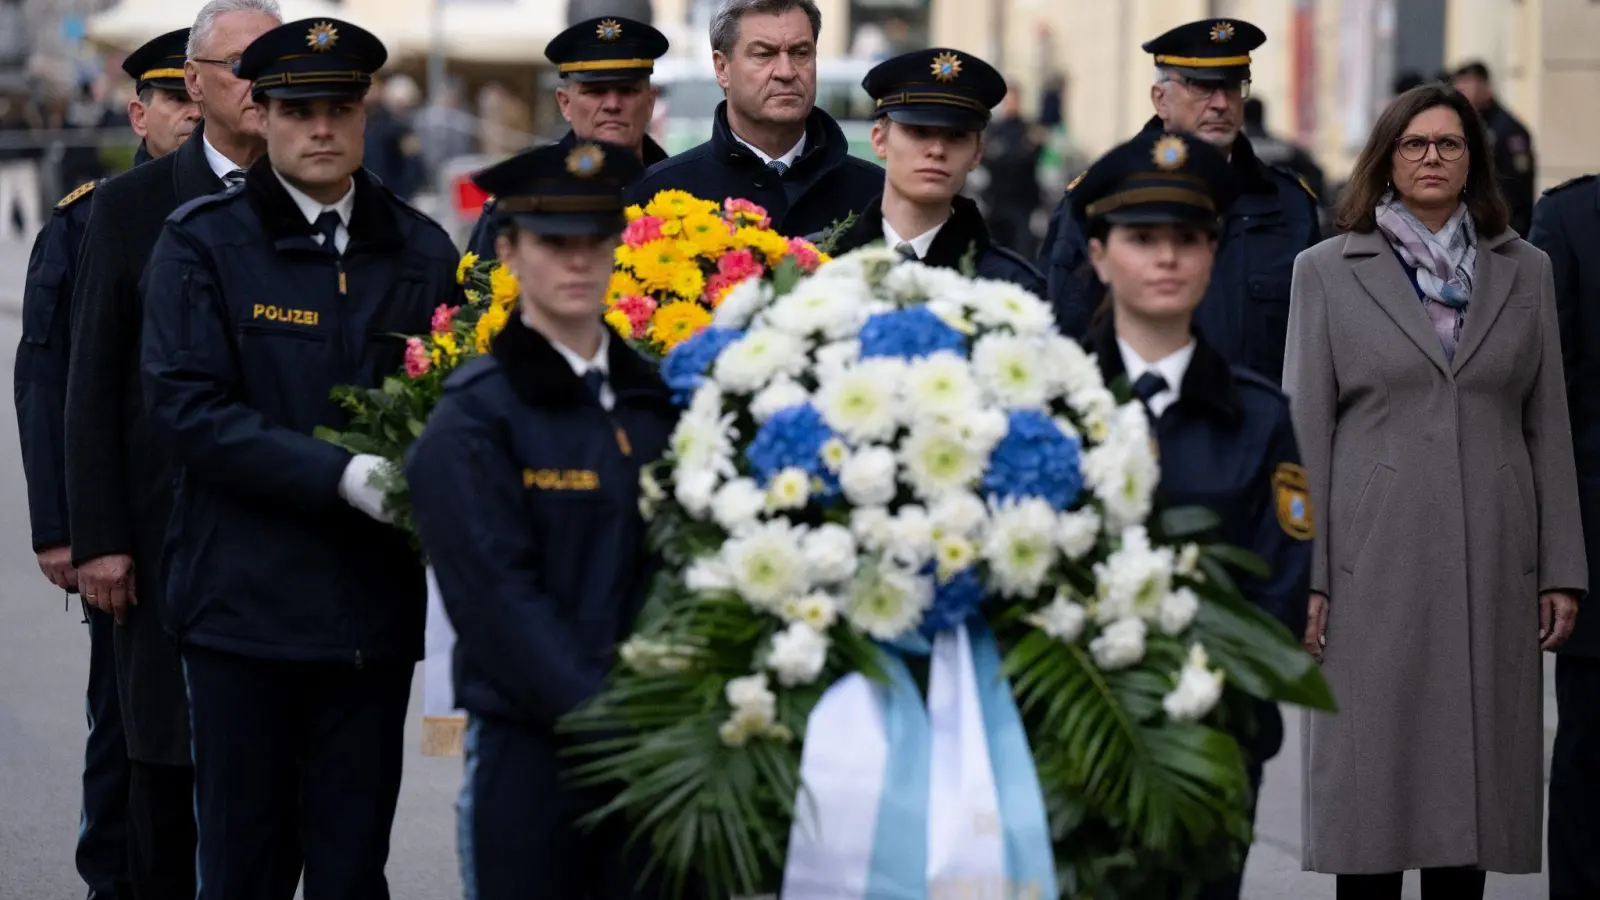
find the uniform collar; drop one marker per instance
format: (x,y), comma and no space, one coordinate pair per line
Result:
(600,362)
(1208,386)
(921,243)
(541,375)
(313,209)
(964,235)
(221,166)
(1172,368)
(373,221)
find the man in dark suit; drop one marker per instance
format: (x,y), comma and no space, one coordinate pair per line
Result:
(1566,225)
(770,144)
(119,483)
(1514,161)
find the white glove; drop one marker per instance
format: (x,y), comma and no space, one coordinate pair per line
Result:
(356,487)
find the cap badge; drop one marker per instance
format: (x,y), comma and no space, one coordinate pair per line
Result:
(586,161)
(609,30)
(1222,32)
(322,37)
(946,67)
(1170,153)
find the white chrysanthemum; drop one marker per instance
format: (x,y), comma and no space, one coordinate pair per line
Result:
(886,602)
(915,282)
(750,692)
(818,610)
(953,555)
(781,394)
(1073,370)
(869,477)
(910,537)
(753,361)
(1199,689)
(936,458)
(1062,620)
(763,564)
(835,453)
(1120,645)
(1000,304)
(958,514)
(1178,610)
(1013,371)
(1095,406)
(755,711)
(704,442)
(742,303)
(940,386)
(1078,533)
(871,526)
(830,551)
(815,307)
(1067,428)
(694,489)
(708,574)
(1021,546)
(1135,579)
(861,401)
(652,657)
(798,655)
(868,265)
(834,358)
(1123,471)
(789,489)
(738,505)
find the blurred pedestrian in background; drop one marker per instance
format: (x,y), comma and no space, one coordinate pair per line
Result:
(393,152)
(21,148)
(1011,151)
(1513,146)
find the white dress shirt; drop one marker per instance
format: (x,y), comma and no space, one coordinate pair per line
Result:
(1171,367)
(787,159)
(221,165)
(311,209)
(601,362)
(921,244)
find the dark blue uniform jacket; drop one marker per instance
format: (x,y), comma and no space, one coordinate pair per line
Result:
(483,233)
(527,495)
(825,185)
(1245,313)
(965,236)
(1223,446)
(246,333)
(40,378)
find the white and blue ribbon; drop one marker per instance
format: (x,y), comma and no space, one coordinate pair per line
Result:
(905,800)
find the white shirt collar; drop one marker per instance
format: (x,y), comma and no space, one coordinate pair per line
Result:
(311,209)
(787,159)
(921,243)
(601,362)
(220,165)
(1171,367)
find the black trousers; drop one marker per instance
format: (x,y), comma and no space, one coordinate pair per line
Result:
(1437,884)
(313,748)
(516,824)
(102,854)
(1574,833)
(161,832)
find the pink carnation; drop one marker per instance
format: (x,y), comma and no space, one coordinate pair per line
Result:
(638,310)
(717,286)
(755,215)
(642,231)
(805,254)
(739,265)
(418,360)
(443,316)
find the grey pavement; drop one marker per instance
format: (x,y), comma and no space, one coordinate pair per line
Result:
(43,666)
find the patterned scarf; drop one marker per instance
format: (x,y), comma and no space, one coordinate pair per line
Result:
(1444,263)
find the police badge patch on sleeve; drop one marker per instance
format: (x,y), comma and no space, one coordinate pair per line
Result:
(1293,500)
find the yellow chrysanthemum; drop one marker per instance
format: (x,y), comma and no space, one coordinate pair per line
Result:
(709,234)
(769,244)
(622,285)
(689,282)
(623,257)
(634,212)
(445,349)
(620,323)
(658,263)
(467,262)
(823,259)
(677,205)
(675,323)
(503,287)
(490,324)
(672,228)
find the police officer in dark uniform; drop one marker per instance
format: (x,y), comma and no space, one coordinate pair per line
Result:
(933,106)
(1514,161)
(542,573)
(163,116)
(1225,437)
(298,608)
(770,144)
(1566,225)
(605,95)
(1203,82)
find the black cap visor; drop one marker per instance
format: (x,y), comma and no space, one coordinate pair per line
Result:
(570,224)
(1160,214)
(608,76)
(338,91)
(950,117)
(170,85)
(1224,74)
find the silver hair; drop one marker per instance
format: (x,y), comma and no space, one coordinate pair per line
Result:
(1163,75)
(725,22)
(206,21)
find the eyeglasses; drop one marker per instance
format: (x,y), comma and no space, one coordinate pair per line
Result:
(1203,90)
(1414,147)
(231,63)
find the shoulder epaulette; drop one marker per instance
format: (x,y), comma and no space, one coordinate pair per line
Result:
(1074,182)
(81,192)
(1581,179)
(1289,173)
(183,212)
(472,373)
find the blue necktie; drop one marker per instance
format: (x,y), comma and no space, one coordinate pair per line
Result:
(328,226)
(233,179)
(1147,387)
(595,380)
(782,168)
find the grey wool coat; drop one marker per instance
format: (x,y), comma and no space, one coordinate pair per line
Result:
(1447,502)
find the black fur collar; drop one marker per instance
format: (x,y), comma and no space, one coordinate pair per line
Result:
(373,224)
(1208,386)
(541,376)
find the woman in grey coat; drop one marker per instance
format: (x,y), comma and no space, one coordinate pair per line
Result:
(1424,369)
